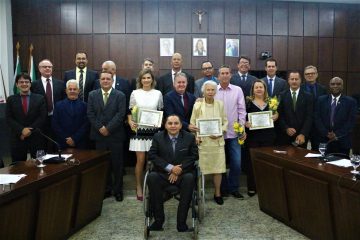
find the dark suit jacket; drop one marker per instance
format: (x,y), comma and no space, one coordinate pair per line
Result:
(58,89)
(245,86)
(17,120)
(344,118)
(320,90)
(91,77)
(161,151)
(173,105)
(165,83)
(301,118)
(111,116)
(280,85)
(70,120)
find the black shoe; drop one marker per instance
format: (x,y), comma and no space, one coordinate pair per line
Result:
(219,200)
(107,194)
(156,226)
(251,193)
(184,228)
(119,197)
(238,195)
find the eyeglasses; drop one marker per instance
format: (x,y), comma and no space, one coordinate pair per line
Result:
(23,82)
(46,66)
(310,73)
(207,68)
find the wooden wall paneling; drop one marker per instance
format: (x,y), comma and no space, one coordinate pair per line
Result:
(183,15)
(52,15)
(216,17)
(216,46)
(353,55)
(68,17)
(133,17)
(340,21)
(39,50)
(348,85)
(182,43)
(20,16)
(295,53)
(166,17)
(353,22)
(84,42)
(324,78)
(100,49)
(197,60)
(326,20)
(37,9)
(232,17)
(133,51)
(84,16)
(263,43)
(311,51)
(150,20)
(296,19)
(53,51)
(117,16)
(118,52)
(68,48)
(264,18)
(248,18)
(195,19)
(150,45)
(311,20)
(100,13)
(248,48)
(340,54)
(353,84)
(325,54)
(280,19)
(164,62)
(280,45)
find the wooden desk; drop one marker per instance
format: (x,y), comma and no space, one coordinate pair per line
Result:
(56,203)
(322,202)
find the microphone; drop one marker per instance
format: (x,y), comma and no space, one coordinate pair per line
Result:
(57,159)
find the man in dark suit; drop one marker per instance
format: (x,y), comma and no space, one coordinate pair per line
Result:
(173,153)
(69,122)
(275,84)
(335,116)
(53,90)
(85,77)
(208,73)
(180,102)
(25,112)
(166,82)
(106,112)
(295,112)
(316,89)
(242,78)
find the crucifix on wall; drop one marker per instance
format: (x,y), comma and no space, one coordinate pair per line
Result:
(200,14)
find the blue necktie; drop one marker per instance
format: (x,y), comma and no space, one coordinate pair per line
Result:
(174,141)
(243,77)
(270,90)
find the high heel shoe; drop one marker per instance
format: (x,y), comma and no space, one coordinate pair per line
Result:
(139,198)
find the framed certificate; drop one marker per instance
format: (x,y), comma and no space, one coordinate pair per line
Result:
(261,120)
(151,118)
(209,127)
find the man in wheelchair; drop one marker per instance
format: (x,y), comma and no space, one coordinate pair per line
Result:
(173,154)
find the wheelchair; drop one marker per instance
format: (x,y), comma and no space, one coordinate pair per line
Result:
(197,204)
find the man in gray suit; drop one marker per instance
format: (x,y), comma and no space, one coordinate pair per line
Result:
(242,78)
(106,111)
(208,72)
(275,84)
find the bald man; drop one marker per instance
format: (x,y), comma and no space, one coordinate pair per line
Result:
(166,82)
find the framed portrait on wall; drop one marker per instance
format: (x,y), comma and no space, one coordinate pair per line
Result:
(166,47)
(199,47)
(232,47)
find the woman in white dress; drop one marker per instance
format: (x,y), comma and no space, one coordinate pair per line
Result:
(144,97)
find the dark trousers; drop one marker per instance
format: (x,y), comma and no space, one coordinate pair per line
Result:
(158,182)
(20,148)
(115,174)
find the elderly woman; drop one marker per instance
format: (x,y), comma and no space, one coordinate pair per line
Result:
(144,97)
(211,149)
(257,102)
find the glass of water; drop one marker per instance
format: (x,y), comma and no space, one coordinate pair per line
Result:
(322,150)
(355,162)
(40,154)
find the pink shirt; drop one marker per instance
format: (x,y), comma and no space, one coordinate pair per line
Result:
(234,104)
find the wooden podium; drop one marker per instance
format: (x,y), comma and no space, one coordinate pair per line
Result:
(55,203)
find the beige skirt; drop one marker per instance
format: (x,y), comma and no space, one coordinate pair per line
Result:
(212,159)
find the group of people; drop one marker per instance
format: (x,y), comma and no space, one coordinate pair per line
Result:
(88,109)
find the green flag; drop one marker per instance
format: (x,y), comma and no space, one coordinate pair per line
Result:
(17,72)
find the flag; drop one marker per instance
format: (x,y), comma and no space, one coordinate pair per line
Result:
(17,68)
(31,68)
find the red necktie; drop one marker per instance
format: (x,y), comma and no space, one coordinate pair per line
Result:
(48,94)
(24,103)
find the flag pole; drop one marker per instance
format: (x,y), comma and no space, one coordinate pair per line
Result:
(31,48)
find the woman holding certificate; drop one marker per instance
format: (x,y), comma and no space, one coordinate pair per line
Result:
(209,116)
(258,136)
(145,97)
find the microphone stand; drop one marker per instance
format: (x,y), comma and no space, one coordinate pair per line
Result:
(53,159)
